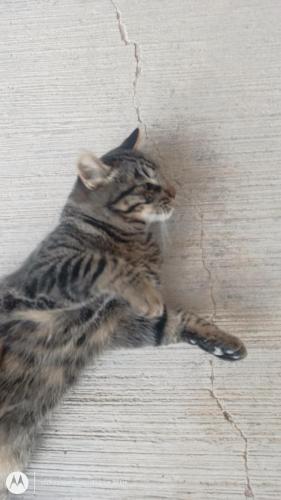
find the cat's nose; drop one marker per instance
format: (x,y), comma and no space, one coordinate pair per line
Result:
(171,191)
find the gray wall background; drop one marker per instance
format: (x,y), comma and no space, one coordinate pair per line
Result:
(202,79)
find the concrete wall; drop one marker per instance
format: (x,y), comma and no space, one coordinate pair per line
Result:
(202,78)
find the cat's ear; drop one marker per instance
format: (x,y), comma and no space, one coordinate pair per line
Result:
(92,171)
(132,141)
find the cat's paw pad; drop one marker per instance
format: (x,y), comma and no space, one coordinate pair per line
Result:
(218,343)
(229,347)
(233,354)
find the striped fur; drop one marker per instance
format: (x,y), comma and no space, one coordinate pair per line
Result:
(92,284)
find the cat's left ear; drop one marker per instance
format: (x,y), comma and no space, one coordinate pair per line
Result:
(92,171)
(132,141)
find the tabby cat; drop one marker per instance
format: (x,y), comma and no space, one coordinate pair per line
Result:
(92,284)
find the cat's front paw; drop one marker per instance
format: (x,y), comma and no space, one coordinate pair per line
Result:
(217,342)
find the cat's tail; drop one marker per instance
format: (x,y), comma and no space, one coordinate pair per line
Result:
(15,448)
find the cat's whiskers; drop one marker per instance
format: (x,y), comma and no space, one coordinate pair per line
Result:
(165,239)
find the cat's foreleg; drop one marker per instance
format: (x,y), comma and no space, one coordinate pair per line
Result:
(110,321)
(171,327)
(121,326)
(116,324)
(187,327)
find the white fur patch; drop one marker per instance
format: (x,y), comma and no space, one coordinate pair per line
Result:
(192,341)
(153,217)
(218,351)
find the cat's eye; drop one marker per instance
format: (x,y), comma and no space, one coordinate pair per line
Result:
(152,187)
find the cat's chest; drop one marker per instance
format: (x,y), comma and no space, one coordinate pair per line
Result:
(139,255)
(129,265)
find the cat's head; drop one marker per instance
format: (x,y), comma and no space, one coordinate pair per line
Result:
(127,184)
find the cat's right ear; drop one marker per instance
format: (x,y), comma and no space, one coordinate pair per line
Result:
(132,141)
(92,171)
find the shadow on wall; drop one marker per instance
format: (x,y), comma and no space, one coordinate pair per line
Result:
(188,159)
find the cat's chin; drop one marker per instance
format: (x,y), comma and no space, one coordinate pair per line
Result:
(158,217)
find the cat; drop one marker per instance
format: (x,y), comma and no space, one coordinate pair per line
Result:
(92,284)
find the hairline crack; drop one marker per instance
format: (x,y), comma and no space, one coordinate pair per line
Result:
(248,492)
(138,69)
(138,63)
(205,265)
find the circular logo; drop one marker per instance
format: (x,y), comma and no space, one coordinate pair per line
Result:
(17,482)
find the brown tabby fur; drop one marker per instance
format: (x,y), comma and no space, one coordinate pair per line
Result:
(92,284)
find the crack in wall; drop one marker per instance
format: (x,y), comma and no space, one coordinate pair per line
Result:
(248,491)
(138,63)
(206,266)
(138,69)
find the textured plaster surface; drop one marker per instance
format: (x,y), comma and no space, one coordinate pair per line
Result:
(202,79)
